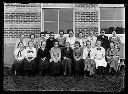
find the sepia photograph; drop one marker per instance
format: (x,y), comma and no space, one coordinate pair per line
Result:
(64,47)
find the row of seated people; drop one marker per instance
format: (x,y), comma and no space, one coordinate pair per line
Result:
(65,60)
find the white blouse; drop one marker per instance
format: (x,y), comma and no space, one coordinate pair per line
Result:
(30,53)
(85,53)
(19,54)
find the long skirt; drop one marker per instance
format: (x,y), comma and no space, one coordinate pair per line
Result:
(17,65)
(101,62)
(113,63)
(29,65)
(78,65)
(55,68)
(67,64)
(43,65)
(90,65)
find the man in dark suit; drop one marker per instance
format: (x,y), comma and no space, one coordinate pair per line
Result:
(104,40)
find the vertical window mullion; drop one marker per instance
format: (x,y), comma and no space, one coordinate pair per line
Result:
(58,20)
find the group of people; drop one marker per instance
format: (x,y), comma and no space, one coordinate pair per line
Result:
(77,56)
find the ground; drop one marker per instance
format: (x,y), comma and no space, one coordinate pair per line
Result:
(96,83)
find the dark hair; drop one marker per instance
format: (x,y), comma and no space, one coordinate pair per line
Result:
(77,42)
(87,41)
(42,42)
(61,31)
(101,30)
(42,33)
(31,35)
(19,43)
(68,30)
(56,41)
(29,42)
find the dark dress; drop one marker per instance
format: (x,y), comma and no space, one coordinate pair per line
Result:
(42,64)
(104,41)
(50,43)
(78,65)
(67,63)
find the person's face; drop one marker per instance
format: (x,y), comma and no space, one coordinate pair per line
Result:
(21,45)
(77,45)
(52,35)
(91,32)
(56,44)
(30,44)
(88,44)
(114,33)
(102,32)
(22,36)
(67,45)
(43,44)
(61,33)
(111,45)
(98,43)
(80,34)
(32,36)
(70,33)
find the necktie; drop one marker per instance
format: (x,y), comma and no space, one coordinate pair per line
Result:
(89,53)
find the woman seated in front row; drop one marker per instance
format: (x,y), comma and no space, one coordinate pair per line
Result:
(55,61)
(112,57)
(19,56)
(42,59)
(99,57)
(29,61)
(67,57)
(88,56)
(78,60)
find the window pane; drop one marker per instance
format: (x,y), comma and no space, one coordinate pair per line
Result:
(65,25)
(51,27)
(50,14)
(118,25)
(120,14)
(66,14)
(107,13)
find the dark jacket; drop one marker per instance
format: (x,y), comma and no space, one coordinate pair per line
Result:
(50,43)
(42,54)
(65,53)
(104,41)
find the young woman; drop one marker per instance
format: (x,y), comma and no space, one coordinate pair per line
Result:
(21,40)
(115,39)
(42,38)
(71,39)
(29,61)
(99,57)
(19,56)
(88,56)
(81,39)
(55,61)
(50,41)
(78,59)
(43,59)
(92,39)
(112,57)
(32,38)
(61,39)
(67,57)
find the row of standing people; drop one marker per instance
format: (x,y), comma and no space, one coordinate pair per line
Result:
(51,54)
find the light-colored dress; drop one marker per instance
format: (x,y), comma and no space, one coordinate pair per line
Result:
(113,60)
(99,57)
(88,56)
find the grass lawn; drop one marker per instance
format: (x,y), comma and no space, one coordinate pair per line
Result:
(96,83)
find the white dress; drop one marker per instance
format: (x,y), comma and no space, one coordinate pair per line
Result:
(99,56)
